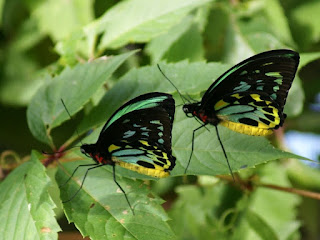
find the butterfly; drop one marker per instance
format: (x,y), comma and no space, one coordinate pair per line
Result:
(137,137)
(249,98)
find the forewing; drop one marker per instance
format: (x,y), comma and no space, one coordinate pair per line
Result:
(270,72)
(145,101)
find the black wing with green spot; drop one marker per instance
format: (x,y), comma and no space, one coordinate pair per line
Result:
(140,132)
(269,72)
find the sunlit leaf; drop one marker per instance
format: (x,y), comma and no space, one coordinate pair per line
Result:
(75,86)
(26,209)
(140,20)
(100,209)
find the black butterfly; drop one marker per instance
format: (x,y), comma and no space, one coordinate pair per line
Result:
(248,98)
(137,137)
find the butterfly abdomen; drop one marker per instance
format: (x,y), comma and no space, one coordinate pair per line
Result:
(153,172)
(246,129)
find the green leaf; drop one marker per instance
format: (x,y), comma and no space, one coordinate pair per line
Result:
(196,214)
(278,210)
(189,46)
(158,46)
(207,157)
(101,211)
(278,20)
(260,226)
(295,100)
(140,20)
(1,9)
(182,41)
(75,86)
(306,58)
(18,87)
(241,35)
(214,33)
(60,18)
(26,209)
(305,18)
(303,176)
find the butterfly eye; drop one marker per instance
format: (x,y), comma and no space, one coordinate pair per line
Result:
(189,114)
(186,110)
(83,151)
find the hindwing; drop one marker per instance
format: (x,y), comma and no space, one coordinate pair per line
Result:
(249,113)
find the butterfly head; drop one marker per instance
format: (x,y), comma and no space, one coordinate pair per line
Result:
(190,109)
(88,150)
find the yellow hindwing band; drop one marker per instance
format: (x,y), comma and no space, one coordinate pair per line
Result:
(246,129)
(158,173)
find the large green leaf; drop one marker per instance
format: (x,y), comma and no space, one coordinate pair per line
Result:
(246,29)
(161,44)
(276,18)
(182,41)
(75,86)
(100,209)
(140,20)
(307,23)
(60,18)
(26,209)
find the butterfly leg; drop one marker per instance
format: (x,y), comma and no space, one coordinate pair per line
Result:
(225,154)
(114,179)
(85,175)
(192,146)
(83,165)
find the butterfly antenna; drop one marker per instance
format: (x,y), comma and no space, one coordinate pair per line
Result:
(115,180)
(84,178)
(181,96)
(190,98)
(225,154)
(65,107)
(192,146)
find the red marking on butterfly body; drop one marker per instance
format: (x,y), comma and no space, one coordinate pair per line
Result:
(201,116)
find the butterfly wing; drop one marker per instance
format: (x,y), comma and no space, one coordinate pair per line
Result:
(249,113)
(138,135)
(253,93)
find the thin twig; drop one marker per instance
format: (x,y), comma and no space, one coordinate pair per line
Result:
(250,185)
(300,192)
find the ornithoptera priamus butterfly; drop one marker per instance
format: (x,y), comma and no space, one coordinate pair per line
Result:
(249,98)
(137,137)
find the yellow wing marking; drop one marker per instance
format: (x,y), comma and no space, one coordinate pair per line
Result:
(246,129)
(236,95)
(144,143)
(158,172)
(220,105)
(113,147)
(257,98)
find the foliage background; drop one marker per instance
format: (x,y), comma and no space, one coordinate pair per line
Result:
(82,51)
